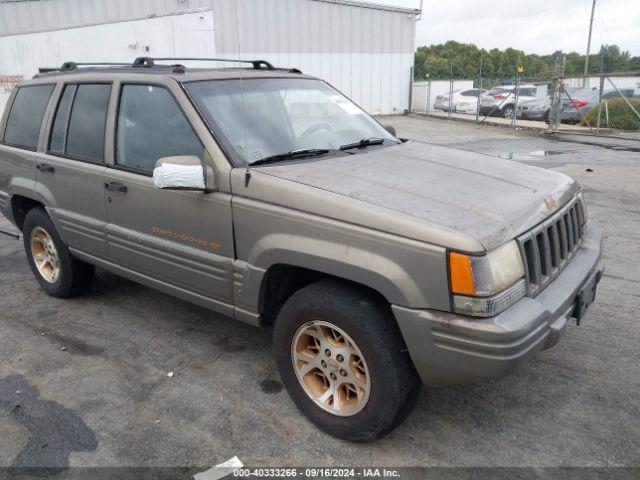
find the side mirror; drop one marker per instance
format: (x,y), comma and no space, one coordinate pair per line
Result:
(391,130)
(183,173)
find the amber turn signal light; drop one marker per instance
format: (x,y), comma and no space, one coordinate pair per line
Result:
(461,274)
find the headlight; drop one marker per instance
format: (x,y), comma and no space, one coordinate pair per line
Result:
(489,284)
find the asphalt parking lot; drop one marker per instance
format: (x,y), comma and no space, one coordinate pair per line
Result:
(92,371)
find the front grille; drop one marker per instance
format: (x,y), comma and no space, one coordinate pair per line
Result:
(549,247)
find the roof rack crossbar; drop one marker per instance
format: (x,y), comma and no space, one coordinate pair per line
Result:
(150,62)
(66,66)
(75,65)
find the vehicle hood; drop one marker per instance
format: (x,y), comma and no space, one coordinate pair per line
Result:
(454,194)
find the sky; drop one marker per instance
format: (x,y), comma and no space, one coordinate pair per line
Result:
(535,26)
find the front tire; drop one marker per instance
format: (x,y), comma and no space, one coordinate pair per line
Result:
(342,359)
(57,271)
(508,112)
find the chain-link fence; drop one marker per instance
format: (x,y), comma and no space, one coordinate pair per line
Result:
(601,104)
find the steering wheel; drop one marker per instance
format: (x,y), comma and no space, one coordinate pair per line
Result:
(316,128)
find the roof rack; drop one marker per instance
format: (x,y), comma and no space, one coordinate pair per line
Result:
(150,62)
(67,66)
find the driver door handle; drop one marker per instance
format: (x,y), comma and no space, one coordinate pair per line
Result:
(115,187)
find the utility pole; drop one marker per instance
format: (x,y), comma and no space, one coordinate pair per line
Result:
(517,90)
(601,88)
(479,90)
(556,94)
(450,90)
(586,60)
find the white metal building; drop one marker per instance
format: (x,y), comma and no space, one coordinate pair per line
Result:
(363,49)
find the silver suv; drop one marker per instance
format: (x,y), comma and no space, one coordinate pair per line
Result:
(267,196)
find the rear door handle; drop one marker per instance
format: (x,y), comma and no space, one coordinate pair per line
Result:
(43,167)
(116,187)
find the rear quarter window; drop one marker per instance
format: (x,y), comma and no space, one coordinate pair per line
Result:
(26,115)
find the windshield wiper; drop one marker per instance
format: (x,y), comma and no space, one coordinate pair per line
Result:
(307,152)
(364,143)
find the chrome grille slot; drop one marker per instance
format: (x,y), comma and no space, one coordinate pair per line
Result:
(562,231)
(544,253)
(552,235)
(533,272)
(548,248)
(581,217)
(574,224)
(570,239)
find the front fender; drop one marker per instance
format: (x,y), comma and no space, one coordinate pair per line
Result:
(368,268)
(406,272)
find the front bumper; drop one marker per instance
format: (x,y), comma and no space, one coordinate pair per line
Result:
(450,349)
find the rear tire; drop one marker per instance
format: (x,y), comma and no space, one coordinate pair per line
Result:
(57,271)
(383,383)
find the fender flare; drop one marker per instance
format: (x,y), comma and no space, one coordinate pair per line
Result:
(368,268)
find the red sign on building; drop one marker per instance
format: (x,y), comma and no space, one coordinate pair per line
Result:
(7,82)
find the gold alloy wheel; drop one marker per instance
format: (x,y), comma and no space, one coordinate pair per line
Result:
(45,256)
(330,368)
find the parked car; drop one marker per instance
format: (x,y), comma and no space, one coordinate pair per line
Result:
(468,106)
(457,96)
(537,109)
(500,101)
(585,99)
(265,195)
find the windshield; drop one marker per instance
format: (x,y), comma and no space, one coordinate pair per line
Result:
(256,119)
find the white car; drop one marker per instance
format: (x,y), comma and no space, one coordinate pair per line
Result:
(458,96)
(468,106)
(500,101)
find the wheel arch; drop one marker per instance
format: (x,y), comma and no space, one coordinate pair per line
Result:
(282,280)
(20,207)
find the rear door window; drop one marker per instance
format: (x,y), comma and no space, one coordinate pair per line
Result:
(85,135)
(79,125)
(58,141)
(26,114)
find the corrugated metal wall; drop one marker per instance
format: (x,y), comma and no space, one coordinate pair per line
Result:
(25,16)
(116,42)
(365,51)
(306,26)
(37,15)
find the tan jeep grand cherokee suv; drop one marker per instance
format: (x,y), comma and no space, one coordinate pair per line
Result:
(268,196)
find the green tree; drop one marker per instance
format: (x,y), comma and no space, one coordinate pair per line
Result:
(436,61)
